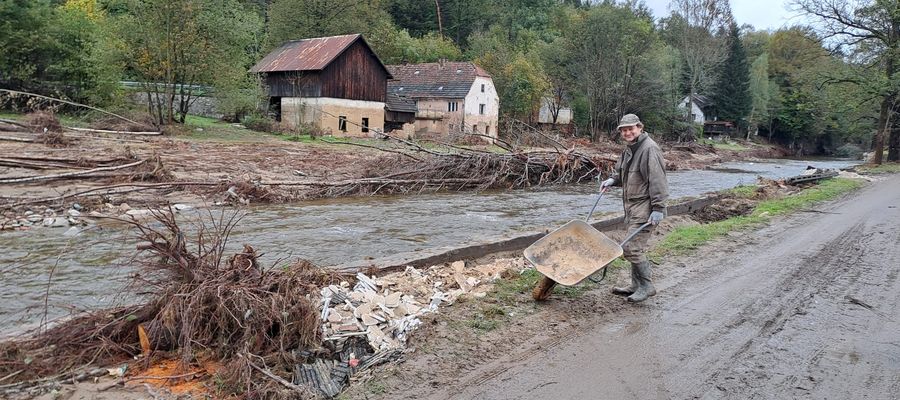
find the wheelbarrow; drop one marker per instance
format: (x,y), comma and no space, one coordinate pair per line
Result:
(573,252)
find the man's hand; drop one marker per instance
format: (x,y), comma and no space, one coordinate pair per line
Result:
(655,217)
(607,183)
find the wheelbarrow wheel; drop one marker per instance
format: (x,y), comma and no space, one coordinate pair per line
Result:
(543,289)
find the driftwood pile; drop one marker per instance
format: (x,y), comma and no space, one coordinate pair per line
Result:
(199,303)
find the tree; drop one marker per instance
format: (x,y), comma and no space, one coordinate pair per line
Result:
(731,95)
(759,93)
(172,46)
(609,50)
(52,50)
(303,19)
(692,29)
(870,31)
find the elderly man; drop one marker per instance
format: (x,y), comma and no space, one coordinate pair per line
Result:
(641,174)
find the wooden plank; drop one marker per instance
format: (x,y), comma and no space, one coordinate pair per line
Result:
(514,244)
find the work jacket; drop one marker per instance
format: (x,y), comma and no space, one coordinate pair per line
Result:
(641,173)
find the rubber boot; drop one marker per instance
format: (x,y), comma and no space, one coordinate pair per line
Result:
(628,290)
(645,287)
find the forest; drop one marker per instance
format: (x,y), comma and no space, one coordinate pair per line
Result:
(829,87)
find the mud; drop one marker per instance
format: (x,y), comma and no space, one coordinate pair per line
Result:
(805,307)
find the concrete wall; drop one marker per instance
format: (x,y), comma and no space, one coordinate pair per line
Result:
(324,113)
(434,117)
(202,106)
(476,122)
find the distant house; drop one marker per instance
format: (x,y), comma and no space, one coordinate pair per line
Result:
(700,109)
(335,83)
(450,97)
(545,114)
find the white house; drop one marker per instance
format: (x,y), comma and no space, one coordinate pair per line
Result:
(700,104)
(451,97)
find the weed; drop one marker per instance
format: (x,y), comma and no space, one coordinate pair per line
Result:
(685,239)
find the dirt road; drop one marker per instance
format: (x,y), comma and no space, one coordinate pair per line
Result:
(808,307)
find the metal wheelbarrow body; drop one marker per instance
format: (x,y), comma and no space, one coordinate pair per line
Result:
(572,253)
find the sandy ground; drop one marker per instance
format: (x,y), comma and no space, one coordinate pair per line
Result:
(806,307)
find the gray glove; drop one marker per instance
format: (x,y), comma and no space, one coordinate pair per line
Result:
(607,183)
(655,217)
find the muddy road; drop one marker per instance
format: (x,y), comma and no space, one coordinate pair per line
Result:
(808,307)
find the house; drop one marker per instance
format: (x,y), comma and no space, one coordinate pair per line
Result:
(335,83)
(450,97)
(548,106)
(700,109)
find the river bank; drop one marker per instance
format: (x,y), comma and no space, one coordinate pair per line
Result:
(92,175)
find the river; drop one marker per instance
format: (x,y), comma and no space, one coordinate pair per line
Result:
(91,270)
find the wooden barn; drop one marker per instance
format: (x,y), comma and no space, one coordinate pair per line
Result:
(335,83)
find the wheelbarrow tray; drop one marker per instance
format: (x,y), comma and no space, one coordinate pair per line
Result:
(572,252)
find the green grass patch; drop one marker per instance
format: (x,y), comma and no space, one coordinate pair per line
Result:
(685,239)
(743,191)
(885,168)
(724,145)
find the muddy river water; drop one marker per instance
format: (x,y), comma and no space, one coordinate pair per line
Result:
(90,270)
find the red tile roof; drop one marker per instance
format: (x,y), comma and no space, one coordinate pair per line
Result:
(449,79)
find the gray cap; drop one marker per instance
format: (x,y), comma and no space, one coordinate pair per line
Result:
(629,120)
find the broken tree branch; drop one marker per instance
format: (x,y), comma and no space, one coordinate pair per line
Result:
(69,174)
(108,131)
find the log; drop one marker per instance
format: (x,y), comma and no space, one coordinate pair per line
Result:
(25,179)
(16,139)
(108,131)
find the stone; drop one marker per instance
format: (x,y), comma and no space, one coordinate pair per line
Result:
(378,299)
(76,206)
(74,213)
(72,231)
(138,213)
(458,266)
(348,328)
(401,310)
(124,207)
(357,296)
(29,212)
(181,207)
(369,320)
(49,221)
(461,281)
(363,309)
(334,316)
(392,300)
(35,218)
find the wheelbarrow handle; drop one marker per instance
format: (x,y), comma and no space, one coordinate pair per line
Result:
(588,218)
(633,234)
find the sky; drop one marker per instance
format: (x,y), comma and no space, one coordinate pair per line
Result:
(762,14)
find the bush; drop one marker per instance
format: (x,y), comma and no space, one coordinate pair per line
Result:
(849,150)
(259,123)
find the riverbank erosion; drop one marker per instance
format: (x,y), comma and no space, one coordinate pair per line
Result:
(237,328)
(100,172)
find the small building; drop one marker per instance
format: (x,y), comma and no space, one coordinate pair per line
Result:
(335,83)
(450,97)
(548,106)
(700,109)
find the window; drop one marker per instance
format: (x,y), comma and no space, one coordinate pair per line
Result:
(342,123)
(482,88)
(365,125)
(481,109)
(474,128)
(452,106)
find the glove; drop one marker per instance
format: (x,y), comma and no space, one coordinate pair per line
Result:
(607,183)
(655,217)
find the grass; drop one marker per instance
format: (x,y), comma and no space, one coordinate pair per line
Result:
(724,145)
(743,191)
(885,168)
(685,239)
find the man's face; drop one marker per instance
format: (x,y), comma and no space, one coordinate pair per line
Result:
(630,133)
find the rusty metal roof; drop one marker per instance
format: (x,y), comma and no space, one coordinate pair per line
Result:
(306,55)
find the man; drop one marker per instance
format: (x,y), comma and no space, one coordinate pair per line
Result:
(641,174)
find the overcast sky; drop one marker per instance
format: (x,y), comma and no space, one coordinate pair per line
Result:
(762,14)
